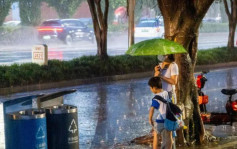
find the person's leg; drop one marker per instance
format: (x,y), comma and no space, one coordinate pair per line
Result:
(155,140)
(168,139)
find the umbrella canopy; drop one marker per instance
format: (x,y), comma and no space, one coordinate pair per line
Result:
(155,47)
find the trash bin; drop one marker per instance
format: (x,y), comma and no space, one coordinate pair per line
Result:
(62,127)
(26,130)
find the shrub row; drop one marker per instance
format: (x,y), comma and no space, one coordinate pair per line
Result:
(216,55)
(92,66)
(214,27)
(84,67)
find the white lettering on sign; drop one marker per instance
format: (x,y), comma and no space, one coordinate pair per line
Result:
(73,127)
(40,54)
(73,139)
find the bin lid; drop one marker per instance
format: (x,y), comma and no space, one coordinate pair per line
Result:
(28,114)
(61,109)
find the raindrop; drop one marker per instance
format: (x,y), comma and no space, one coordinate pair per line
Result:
(117,121)
(224,127)
(102,141)
(88,142)
(124,117)
(120,128)
(233,130)
(115,139)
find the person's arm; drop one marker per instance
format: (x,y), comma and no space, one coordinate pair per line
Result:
(157,71)
(172,80)
(151,111)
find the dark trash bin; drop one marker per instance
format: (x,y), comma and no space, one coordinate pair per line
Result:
(62,127)
(26,130)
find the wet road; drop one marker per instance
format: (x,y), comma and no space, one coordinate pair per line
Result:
(117,45)
(116,112)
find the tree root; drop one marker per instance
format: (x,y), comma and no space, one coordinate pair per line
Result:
(208,137)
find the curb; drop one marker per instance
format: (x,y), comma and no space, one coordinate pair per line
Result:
(61,84)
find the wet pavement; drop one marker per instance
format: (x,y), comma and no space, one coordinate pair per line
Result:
(117,112)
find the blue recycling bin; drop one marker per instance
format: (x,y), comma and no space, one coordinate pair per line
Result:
(26,130)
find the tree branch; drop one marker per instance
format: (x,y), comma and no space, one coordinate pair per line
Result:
(235,11)
(106,13)
(227,9)
(100,16)
(202,6)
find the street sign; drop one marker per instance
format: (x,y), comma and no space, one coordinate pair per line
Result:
(40,54)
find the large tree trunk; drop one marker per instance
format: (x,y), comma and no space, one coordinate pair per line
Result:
(100,23)
(131,8)
(232,17)
(182,19)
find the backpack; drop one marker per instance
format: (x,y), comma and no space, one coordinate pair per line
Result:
(172,123)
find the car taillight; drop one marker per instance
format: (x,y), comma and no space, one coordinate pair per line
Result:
(46,28)
(234,105)
(157,29)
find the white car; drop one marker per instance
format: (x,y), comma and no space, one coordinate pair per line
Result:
(149,28)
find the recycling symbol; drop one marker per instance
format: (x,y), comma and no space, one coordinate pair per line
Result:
(73,127)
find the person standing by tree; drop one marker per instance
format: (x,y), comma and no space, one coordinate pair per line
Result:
(168,71)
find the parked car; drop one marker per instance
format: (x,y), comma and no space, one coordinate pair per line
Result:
(86,21)
(149,28)
(66,30)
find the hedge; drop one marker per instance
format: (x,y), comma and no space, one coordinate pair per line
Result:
(92,66)
(79,68)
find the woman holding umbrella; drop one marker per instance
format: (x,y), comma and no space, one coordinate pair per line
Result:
(168,71)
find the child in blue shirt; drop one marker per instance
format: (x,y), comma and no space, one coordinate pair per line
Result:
(156,88)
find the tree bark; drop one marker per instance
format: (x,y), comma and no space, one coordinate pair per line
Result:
(131,27)
(182,19)
(100,24)
(232,17)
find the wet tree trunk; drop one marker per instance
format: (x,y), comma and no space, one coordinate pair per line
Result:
(131,27)
(232,17)
(100,23)
(182,19)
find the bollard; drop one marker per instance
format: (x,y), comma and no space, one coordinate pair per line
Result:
(62,127)
(26,130)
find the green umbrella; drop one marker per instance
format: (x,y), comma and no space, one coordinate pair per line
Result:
(155,47)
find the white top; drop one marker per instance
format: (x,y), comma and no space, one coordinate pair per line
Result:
(160,106)
(171,71)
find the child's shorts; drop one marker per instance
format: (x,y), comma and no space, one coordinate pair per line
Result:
(159,127)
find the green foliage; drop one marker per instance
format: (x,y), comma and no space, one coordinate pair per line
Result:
(30,12)
(79,68)
(5,6)
(216,55)
(214,27)
(93,66)
(64,8)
